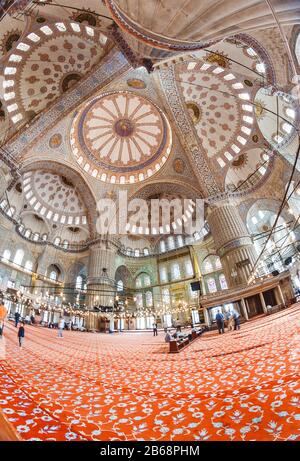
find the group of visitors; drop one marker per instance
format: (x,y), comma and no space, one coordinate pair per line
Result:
(232,320)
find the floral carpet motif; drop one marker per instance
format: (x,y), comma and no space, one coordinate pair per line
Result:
(242,385)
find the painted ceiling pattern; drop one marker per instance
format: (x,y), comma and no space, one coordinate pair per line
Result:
(216,102)
(121,138)
(46,63)
(244,56)
(252,164)
(54,198)
(276,114)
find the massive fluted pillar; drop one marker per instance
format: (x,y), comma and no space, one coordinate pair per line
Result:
(101,271)
(233,243)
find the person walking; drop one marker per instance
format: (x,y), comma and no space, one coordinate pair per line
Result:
(236,318)
(21,334)
(155,332)
(61,326)
(229,320)
(17,318)
(220,322)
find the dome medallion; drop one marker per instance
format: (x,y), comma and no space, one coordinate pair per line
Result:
(121,138)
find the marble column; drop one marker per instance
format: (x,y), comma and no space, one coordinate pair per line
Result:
(206,317)
(101,273)
(233,244)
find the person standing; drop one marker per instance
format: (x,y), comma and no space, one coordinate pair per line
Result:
(21,335)
(236,319)
(168,337)
(17,318)
(61,326)
(220,322)
(3,314)
(155,332)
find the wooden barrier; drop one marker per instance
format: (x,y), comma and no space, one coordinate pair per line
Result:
(177,345)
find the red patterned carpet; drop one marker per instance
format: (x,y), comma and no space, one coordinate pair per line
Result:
(239,386)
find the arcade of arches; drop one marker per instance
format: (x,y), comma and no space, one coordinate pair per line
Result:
(150,178)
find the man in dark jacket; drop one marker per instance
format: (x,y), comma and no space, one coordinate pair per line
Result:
(21,334)
(17,318)
(220,322)
(236,319)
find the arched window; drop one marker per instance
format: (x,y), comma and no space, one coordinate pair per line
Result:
(207,267)
(139,300)
(138,282)
(10,211)
(19,257)
(175,271)
(79,282)
(166,295)
(223,282)
(218,263)
(6,255)
(171,243)
(29,265)
(120,285)
(53,275)
(147,281)
(180,241)
(146,251)
(188,268)
(162,246)
(297,49)
(163,274)
(211,285)
(136,252)
(149,299)
(57,241)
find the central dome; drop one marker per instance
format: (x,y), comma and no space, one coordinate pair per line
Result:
(121,138)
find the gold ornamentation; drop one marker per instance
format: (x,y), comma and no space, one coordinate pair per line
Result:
(194,112)
(239,161)
(259,109)
(218,58)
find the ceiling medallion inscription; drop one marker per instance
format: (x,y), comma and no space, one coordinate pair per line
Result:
(136,83)
(194,112)
(55,140)
(178,165)
(239,161)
